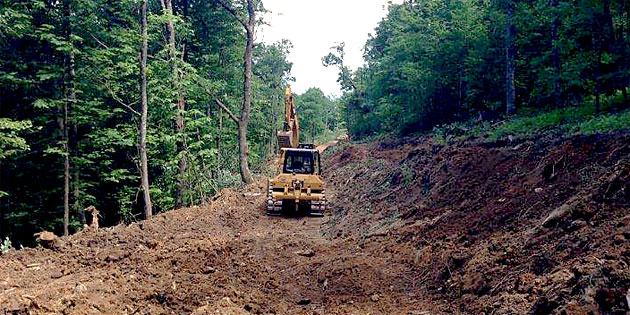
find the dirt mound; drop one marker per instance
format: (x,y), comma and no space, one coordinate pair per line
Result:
(467,220)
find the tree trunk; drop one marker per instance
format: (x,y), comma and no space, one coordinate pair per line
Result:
(69,95)
(273,126)
(510,90)
(598,47)
(63,133)
(144,168)
(627,51)
(219,140)
(597,80)
(72,95)
(555,55)
(4,186)
(243,121)
(180,123)
(246,174)
(76,176)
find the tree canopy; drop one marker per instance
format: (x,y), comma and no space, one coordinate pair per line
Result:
(431,62)
(203,65)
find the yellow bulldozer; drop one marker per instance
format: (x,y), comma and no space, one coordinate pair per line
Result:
(298,187)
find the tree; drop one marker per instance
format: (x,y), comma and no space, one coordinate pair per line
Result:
(249,25)
(510,50)
(555,54)
(144,169)
(271,72)
(115,146)
(318,114)
(336,59)
(180,123)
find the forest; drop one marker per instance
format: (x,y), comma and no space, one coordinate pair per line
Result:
(139,107)
(434,62)
(76,117)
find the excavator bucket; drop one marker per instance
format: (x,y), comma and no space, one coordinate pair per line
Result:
(286,139)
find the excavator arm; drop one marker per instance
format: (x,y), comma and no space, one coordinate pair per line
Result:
(289,136)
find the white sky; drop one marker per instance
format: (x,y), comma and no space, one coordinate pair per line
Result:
(313,26)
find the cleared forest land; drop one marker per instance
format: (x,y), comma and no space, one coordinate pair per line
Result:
(538,225)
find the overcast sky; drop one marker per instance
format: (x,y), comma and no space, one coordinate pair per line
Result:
(313,26)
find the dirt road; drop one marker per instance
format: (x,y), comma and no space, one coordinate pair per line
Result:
(226,258)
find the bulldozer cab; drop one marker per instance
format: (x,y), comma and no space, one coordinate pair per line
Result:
(301,161)
(299,187)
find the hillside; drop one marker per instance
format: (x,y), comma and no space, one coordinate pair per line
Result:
(416,227)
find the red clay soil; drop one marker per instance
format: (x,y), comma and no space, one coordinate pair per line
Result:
(416,227)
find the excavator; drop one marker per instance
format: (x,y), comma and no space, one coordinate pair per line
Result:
(298,187)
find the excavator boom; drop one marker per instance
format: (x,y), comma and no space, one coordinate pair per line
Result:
(289,136)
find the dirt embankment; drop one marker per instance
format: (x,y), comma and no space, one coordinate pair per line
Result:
(415,228)
(540,226)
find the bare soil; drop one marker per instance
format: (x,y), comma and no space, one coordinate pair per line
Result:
(416,227)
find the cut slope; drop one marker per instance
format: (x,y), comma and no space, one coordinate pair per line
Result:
(467,219)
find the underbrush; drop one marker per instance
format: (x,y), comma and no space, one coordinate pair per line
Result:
(564,121)
(5,246)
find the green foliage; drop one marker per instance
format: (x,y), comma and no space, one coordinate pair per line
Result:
(581,120)
(434,62)
(603,123)
(407,175)
(6,246)
(10,141)
(103,121)
(319,116)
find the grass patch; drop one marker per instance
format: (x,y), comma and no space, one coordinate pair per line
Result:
(613,122)
(570,120)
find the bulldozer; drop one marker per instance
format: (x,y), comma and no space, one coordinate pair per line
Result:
(298,187)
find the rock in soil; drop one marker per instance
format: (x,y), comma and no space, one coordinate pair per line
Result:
(306,253)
